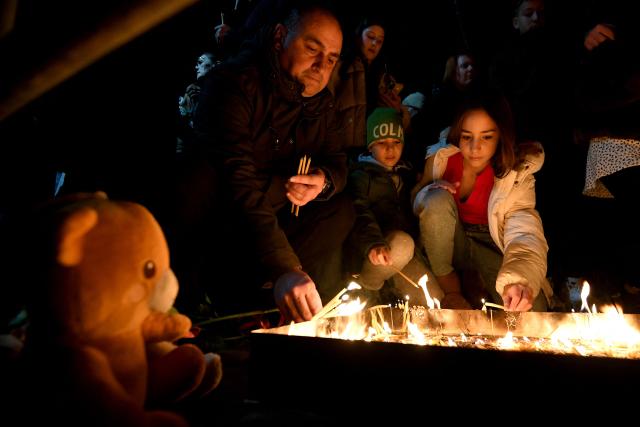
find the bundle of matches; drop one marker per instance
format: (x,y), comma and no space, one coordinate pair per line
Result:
(303,169)
(335,301)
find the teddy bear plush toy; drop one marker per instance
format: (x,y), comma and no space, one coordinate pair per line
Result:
(100,345)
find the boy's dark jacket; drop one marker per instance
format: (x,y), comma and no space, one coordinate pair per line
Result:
(379,207)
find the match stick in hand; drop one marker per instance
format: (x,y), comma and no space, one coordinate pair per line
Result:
(303,169)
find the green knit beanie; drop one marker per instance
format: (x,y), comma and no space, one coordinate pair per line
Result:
(384,123)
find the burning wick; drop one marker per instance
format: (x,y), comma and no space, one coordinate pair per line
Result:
(423,285)
(484,308)
(490,304)
(335,301)
(584,293)
(405,316)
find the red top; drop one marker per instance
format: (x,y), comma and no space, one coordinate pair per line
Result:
(474,209)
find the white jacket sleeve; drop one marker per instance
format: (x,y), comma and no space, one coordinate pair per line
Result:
(525,247)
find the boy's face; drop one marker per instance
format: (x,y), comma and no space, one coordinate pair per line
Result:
(387,151)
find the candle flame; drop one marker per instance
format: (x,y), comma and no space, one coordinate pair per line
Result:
(423,284)
(353,285)
(586,289)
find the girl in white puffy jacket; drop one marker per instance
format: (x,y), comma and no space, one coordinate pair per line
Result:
(476,206)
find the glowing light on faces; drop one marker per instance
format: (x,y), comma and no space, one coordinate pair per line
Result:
(310,53)
(478,139)
(387,151)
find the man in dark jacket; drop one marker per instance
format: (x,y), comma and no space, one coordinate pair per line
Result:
(260,113)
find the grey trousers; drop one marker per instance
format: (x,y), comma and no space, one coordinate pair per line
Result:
(406,259)
(451,245)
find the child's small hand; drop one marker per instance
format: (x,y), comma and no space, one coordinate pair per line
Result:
(445,185)
(379,255)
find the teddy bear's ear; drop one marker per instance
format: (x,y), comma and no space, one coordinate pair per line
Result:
(72,233)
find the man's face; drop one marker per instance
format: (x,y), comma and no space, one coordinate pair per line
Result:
(310,53)
(530,15)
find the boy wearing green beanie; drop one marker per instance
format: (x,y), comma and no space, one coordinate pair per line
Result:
(383,235)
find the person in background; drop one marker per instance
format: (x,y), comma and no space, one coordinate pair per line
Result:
(414,103)
(244,21)
(360,83)
(384,231)
(189,101)
(439,109)
(528,15)
(608,99)
(476,209)
(535,71)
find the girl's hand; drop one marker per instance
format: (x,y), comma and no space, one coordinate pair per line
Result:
(517,297)
(445,185)
(379,255)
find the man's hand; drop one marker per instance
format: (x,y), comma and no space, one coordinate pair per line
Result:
(379,255)
(598,35)
(301,189)
(517,297)
(296,296)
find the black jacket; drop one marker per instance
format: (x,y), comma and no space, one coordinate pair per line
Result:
(255,126)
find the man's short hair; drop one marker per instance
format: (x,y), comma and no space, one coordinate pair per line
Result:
(299,11)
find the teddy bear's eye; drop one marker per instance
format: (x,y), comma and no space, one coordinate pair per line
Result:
(149,269)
